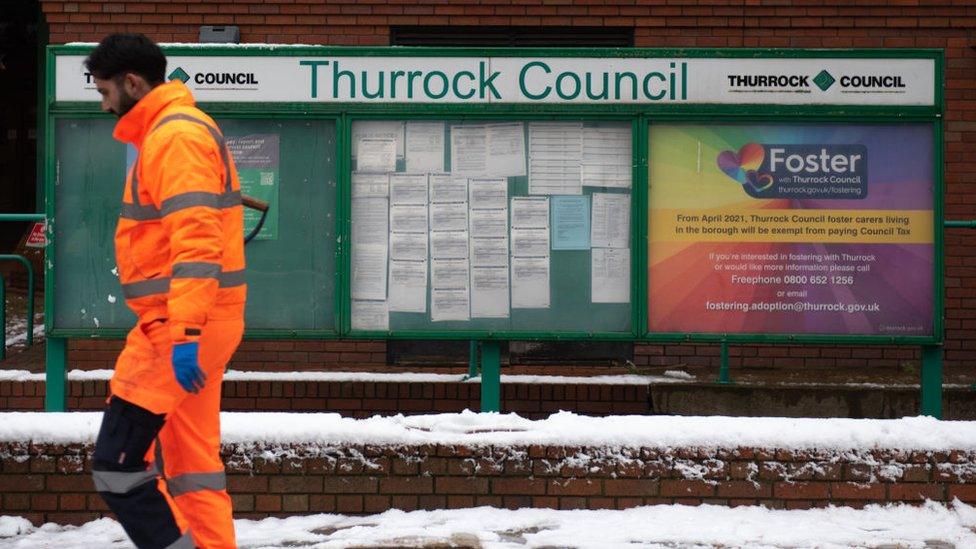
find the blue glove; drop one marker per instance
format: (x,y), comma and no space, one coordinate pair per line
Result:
(187,367)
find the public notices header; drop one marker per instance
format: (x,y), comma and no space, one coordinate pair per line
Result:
(577,80)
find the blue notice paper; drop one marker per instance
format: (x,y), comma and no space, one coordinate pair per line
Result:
(570,222)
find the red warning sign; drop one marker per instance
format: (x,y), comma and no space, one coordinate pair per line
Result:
(36,237)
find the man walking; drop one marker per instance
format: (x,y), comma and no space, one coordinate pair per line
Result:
(180,253)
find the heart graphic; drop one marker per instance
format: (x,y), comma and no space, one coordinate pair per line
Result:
(737,166)
(759,181)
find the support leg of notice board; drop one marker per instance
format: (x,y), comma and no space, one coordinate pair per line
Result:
(932,381)
(491,374)
(723,367)
(472,359)
(54,391)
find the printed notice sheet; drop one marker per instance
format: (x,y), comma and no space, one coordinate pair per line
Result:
(555,157)
(489,292)
(408,188)
(447,188)
(408,286)
(506,149)
(489,223)
(369,271)
(449,304)
(370,315)
(378,129)
(449,245)
(610,275)
(425,146)
(408,218)
(530,213)
(449,217)
(469,150)
(610,226)
(607,156)
(370,218)
(571,222)
(376,155)
(489,252)
(370,185)
(449,274)
(408,246)
(530,282)
(530,242)
(488,193)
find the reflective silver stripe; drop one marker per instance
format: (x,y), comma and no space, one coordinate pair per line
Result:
(189,200)
(196,269)
(224,155)
(194,482)
(143,288)
(185,542)
(155,286)
(139,212)
(231,279)
(119,482)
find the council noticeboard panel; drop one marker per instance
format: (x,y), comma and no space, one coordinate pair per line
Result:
(501,225)
(289,163)
(796,228)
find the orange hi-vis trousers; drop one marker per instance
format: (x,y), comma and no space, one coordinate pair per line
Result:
(157,458)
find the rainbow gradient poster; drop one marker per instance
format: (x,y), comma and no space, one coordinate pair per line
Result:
(791,229)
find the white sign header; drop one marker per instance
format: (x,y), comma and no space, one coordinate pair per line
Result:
(579,80)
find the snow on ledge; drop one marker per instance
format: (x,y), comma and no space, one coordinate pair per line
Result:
(562,429)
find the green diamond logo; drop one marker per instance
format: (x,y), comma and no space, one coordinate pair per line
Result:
(179,74)
(824,80)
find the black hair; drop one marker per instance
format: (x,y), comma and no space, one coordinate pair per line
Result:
(118,54)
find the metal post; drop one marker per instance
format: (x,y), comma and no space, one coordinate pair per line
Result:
(932,381)
(472,359)
(723,368)
(491,377)
(54,393)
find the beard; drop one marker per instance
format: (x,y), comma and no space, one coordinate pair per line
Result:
(126,102)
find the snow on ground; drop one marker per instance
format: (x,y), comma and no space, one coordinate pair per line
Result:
(661,526)
(563,429)
(16,329)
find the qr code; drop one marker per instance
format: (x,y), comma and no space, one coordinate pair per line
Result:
(267,178)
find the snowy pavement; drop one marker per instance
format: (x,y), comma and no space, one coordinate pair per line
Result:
(663,526)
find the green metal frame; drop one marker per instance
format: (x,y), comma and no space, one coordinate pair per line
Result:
(344,113)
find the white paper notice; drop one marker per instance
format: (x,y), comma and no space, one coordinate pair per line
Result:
(408,246)
(530,242)
(449,217)
(469,150)
(408,218)
(377,129)
(555,157)
(425,147)
(446,188)
(530,282)
(449,245)
(370,185)
(530,213)
(610,225)
(370,218)
(607,156)
(449,305)
(370,315)
(449,274)
(489,223)
(489,252)
(408,286)
(610,275)
(489,292)
(408,188)
(369,271)
(506,149)
(489,193)
(376,155)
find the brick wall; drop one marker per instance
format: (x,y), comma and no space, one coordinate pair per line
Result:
(46,482)
(946,24)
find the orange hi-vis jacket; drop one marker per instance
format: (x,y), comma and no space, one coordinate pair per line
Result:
(179,242)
